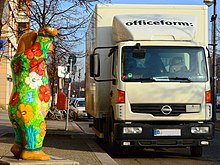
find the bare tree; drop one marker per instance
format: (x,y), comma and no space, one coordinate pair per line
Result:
(70,17)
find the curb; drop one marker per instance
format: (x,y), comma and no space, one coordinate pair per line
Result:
(103,157)
(54,161)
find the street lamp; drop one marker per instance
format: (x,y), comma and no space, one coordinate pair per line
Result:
(209,2)
(213,20)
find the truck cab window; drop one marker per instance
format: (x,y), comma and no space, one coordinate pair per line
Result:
(177,65)
(131,67)
(154,65)
(164,63)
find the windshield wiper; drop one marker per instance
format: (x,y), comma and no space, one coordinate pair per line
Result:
(165,78)
(180,79)
(140,80)
(154,79)
(147,79)
(160,79)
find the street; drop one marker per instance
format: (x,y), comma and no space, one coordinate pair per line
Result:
(79,144)
(171,156)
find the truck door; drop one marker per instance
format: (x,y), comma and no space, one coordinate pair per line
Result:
(114,71)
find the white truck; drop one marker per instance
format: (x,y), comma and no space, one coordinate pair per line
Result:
(147,76)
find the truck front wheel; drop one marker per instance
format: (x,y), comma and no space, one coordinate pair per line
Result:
(196,151)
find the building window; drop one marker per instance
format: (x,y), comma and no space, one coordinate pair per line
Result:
(22,7)
(21,28)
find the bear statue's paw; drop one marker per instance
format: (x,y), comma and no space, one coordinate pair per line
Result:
(34,155)
(16,150)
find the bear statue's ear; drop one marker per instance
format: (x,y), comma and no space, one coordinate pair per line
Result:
(26,41)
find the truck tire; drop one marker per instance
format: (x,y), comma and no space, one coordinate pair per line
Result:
(99,140)
(89,116)
(106,129)
(196,151)
(115,150)
(98,125)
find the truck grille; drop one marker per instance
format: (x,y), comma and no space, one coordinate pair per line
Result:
(155,109)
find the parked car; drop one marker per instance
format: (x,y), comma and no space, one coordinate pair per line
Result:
(77,108)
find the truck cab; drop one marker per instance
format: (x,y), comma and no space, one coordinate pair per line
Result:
(148,79)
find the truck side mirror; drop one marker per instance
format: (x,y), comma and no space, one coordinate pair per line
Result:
(94,65)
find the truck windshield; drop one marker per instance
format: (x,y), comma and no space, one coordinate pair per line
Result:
(152,64)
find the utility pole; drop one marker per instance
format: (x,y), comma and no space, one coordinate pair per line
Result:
(213,20)
(214,78)
(79,82)
(71,63)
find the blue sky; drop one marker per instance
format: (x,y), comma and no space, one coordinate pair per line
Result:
(193,2)
(159,1)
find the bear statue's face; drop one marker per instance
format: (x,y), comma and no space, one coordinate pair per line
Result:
(26,41)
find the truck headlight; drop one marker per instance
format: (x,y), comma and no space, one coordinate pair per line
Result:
(199,129)
(132,130)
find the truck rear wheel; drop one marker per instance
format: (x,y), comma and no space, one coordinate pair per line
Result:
(196,151)
(114,149)
(108,128)
(99,140)
(98,125)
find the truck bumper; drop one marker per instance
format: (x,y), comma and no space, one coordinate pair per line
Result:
(163,135)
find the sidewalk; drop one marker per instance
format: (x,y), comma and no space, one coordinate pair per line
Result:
(70,147)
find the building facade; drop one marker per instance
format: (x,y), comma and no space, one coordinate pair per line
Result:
(15,22)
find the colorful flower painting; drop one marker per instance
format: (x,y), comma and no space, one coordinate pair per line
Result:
(43,129)
(25,113)
(37,66)
(33,51)
(34,80)
(14,98)
(30,99)
(17,67)
(44,94)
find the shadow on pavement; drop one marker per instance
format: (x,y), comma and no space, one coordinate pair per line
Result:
(63,142)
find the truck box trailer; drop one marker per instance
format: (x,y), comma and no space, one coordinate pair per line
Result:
(147,76)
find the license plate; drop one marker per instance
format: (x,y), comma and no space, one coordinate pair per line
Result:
(167,132)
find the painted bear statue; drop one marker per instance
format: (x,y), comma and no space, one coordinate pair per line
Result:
(30,99)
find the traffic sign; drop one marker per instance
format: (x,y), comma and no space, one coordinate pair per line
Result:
(1,44)
(62,72)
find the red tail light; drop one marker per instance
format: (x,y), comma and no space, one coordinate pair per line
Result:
(121,96)
(208,96)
